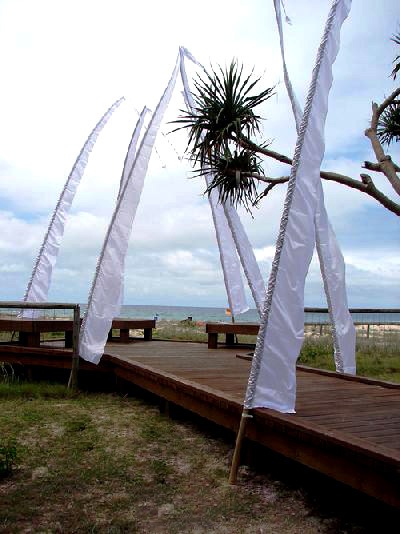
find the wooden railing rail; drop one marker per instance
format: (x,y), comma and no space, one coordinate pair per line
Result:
(73,378)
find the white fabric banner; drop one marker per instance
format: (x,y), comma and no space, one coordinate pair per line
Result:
(272,381)
(39,283)
(228,255)
(105,296)
(131,153)
(333,272)
(247,257)
(329,253)
(128,165)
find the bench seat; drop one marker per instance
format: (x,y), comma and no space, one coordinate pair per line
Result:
(30,329)
(230,330)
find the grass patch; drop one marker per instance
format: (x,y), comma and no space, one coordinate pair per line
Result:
(8,456)
(30,390)
(102,463)
(180,331)
(374,360)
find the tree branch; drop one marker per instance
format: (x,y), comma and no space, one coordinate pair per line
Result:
(384,160)
(334,176)
(366,185)
(261,177)
(377,167)
(372,190)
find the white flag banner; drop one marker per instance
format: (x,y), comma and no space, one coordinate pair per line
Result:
(228,255)
(128,165)
(131,152)
(333,272)
(39,283)
(330,256)
(247,257)
(272,381)
(105,296)
(296,108)
(226,244)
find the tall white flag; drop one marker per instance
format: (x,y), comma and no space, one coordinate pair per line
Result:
(247,256)
(105,296)
(329,253)
(228,255)
(223,222)
(272,381)
(128,165)
(131,152)
(39,283)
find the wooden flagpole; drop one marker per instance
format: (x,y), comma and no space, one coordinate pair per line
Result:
(246,415)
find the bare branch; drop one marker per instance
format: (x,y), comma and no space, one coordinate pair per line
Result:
(385,161)
(262,178)
(272,184)
(372,190)
(334,176)
(366,184)
(377,167)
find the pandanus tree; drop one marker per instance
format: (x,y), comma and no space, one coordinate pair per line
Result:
(222,138)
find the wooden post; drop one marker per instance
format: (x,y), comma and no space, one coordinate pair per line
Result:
(238,446)
(212,340)
(235,335)
(124,335)
(147,334)
(73,378)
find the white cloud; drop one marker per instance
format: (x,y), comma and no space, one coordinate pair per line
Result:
(66,62)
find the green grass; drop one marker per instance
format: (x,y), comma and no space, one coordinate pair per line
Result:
(180,331)
(102,463)
(374,360)
(8,456)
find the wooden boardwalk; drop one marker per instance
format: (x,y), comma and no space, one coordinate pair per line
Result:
(347,428)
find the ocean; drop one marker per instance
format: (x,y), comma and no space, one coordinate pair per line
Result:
(171,313)
(179,313)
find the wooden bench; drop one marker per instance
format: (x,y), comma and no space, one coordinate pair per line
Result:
(230,330)
(124,325)
(30,329)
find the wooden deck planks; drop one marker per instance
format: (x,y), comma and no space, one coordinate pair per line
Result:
(342,404)
(348,429)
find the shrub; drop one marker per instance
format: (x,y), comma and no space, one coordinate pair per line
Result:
(8,456)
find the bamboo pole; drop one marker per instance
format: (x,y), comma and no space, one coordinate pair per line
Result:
(238,446)
(233,322)
(73,377)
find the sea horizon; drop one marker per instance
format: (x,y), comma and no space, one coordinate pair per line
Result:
(213,313)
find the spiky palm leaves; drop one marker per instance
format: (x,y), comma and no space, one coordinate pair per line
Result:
(223,114)
(396,61)
(389,123)
(233,176)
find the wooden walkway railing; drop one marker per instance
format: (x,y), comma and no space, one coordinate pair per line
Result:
(73,379)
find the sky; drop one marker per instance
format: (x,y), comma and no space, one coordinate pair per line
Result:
(64,63)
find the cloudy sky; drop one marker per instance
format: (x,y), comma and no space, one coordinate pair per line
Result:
(64,63)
